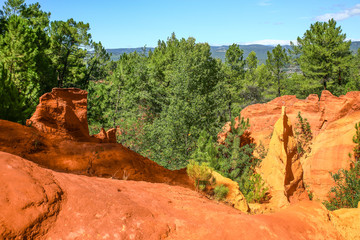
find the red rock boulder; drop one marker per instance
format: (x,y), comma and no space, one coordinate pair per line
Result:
(62,112)
(30,198)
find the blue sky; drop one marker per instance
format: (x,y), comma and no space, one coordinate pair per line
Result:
(136,23)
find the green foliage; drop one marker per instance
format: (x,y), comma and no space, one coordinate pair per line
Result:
(13,105)
(301,86)
(323,54)
(253,187)
(261,151)
(237,162)
(309,192)
(206,150)
(356,140)
(303,135)
(235,157)
(200,173)
(229,85)
(68,42)
(37,53)
(346,192)
(221,192)
(276,61)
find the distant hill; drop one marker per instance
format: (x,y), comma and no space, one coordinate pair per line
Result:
(219,51)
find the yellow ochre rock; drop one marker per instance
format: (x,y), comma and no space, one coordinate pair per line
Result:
(281,169)
(346,221)
(234,195)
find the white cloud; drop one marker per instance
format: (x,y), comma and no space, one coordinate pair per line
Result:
(264,3)
(344,14)
(352,39)
(271,42)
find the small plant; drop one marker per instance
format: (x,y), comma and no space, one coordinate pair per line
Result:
(261,151)
(309,192)
(221,192)
(200,173)
(303,135)
(346,192)
(356,140)
(253,187)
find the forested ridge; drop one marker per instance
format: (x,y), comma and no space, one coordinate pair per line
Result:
(169,101)
(219,51)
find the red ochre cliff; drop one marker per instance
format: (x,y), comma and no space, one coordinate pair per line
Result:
(332,120)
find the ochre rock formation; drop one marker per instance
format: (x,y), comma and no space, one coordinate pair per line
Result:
(281,169)
(62,112)
(53,205)
(346,221)
(332,121)
(234,196)
(30,198)
(106,136)
(110,160)
(330,149)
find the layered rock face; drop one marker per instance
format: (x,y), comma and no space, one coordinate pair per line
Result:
(332,121)
(109,160)
(281,169)
(63,112)
(41,204)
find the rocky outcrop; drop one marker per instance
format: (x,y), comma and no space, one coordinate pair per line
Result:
(109,160)
(99,208)
(281,169)
(106,136)
(62,112)
(346,221)
(319,112)
(30,198)
(332,121)
(234,196)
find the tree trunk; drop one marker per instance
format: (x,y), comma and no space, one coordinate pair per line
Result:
(229,111)
(279,93)
(62,74)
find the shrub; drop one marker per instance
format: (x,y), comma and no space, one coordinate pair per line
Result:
(303,135)
(200,173)
(221,192)
(235,156)
(309,192)
(253,187)
(346,192)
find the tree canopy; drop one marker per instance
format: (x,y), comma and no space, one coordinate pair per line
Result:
(323,53)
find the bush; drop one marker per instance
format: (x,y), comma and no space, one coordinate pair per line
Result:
(221,192)
(346,193)
(200,173)
(303,135)
(253,187)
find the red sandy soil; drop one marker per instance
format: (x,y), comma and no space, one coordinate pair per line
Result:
(42,204)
